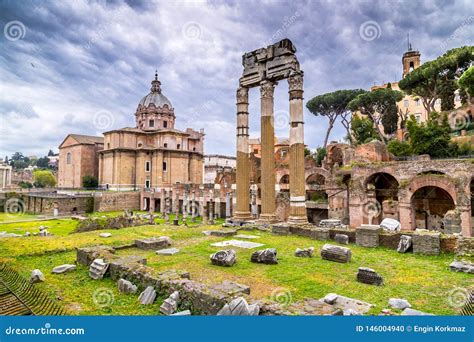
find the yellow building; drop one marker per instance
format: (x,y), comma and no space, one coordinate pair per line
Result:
(412,105)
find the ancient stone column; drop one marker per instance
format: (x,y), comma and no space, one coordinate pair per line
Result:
(176,208)
(254,204)
(193,207)
(204,208)
(297,180)
(228,212)
(268,147)
(211,210)
(168,205)
(217,201)
(233,198)
(185,207)
(162,202)
(242,211)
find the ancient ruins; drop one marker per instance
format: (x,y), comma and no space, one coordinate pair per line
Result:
(264,68)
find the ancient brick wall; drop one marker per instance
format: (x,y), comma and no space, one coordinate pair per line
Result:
(116,201)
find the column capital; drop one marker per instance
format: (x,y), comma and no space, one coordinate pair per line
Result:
(267,88)
(242,95)
(295,80)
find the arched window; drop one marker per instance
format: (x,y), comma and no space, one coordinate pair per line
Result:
(68,158)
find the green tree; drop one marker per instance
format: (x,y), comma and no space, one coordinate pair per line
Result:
(332,106)
(25,185)
(399,148)
(42,162)
(432,137)
(466,82)
(50,153)
(380,107)
(436,79)
(19,161)
(90,182)
(363,130)
(321,152)
(44,178)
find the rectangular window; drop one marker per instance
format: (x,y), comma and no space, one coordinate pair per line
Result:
(178,146)
(68,158)
(165,124)
(165,145)
(164,166)
(151,123)
(418,117)
(405,103)
(147,183)
(147,166)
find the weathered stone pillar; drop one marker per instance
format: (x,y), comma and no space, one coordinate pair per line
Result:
(204,208)
(193,207)
(185,207)
(233,200)
(297,180)
(228,203)
(168,205)
(211,209)
(253,202)
(242,211)
(201,201)
(162,202)
(268,148)
(217,200)
(176,208)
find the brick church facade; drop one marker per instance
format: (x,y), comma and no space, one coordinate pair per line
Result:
(151,155)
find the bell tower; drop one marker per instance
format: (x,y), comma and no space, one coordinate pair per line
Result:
(411,59)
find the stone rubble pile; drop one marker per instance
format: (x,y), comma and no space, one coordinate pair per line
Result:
(305,252)
(336,253)
(224,258)
(265,256)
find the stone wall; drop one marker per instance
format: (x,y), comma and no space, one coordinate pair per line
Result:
(47,203)
(448,243)
(117,201)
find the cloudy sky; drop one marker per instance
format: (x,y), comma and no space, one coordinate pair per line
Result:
(82,67)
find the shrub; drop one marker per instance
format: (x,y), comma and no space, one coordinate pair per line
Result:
(399,148)
(90,182)
(44,178)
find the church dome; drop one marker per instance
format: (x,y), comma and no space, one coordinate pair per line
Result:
(155,96)
(155,110)
(158,99)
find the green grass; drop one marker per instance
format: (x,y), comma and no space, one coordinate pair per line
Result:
(425,281)
(10,217)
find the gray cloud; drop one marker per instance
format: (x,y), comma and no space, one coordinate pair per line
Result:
(80,58)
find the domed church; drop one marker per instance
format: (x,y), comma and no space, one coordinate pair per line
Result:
(153,154)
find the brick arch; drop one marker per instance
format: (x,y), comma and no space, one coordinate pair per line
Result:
(422,181)
(369,176)
(317,171)
(283,173)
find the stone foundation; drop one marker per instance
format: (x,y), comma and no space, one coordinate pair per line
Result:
(426,243)
(368,236)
